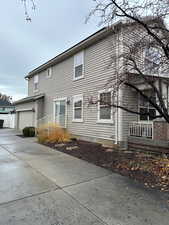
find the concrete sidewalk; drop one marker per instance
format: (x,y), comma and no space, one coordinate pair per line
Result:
(40,186)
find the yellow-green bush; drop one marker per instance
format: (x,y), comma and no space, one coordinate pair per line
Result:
(51,133)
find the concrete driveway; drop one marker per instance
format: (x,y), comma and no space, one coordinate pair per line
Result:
(40,186)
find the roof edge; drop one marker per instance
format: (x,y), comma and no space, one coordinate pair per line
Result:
(29,99)
(99,35)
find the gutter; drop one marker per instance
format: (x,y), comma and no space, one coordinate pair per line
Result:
(26,110)
(29,99)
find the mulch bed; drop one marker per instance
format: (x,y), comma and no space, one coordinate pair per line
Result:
(122,162)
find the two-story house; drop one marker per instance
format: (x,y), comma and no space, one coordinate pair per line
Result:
(60,89)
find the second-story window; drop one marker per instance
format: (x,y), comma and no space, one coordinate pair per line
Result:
(36,81)
(78,66)
(49,72)
(152,61)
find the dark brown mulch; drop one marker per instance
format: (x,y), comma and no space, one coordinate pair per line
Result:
(114,160)
(87,151)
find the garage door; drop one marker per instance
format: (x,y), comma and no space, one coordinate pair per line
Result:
(26,119)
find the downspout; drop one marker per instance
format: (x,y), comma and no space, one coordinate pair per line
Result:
(117,110)
(119,122)
(167,96)
(67,105)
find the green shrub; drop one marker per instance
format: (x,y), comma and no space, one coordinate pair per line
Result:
(29,132)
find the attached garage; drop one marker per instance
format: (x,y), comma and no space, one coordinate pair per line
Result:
(25,119)
(28,111)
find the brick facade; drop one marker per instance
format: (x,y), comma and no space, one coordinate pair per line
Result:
(148,145)
(159,143)
(161,130)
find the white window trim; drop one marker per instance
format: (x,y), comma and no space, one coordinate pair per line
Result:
(106,121)
(160,69)
(25,110)
(37,82)
(148,107)
(78,78)
(50,75)
(145,58)
(54,110)
(75,99)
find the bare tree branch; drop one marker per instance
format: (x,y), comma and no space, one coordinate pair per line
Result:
(28,4)
(148,18)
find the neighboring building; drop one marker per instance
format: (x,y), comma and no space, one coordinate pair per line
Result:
(60,89)
(6,107)
(7,113)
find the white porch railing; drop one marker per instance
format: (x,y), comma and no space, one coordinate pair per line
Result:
(140,129)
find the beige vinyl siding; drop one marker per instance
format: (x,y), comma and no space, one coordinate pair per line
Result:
(131,35)
(100,64)
(97,71)
(130,98)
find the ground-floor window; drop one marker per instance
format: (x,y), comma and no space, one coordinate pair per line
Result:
(146,107)
(78,108)
(104,107)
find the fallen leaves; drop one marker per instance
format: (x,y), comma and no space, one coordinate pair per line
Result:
(152,170)
(149,169)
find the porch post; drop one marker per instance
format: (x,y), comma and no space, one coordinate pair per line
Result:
(120,118)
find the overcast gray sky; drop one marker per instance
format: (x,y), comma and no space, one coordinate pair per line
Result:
(55,26)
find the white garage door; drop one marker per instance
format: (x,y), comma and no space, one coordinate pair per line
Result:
(26,119)
(9,120)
